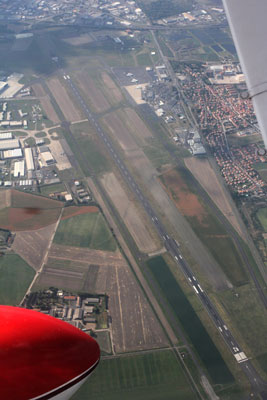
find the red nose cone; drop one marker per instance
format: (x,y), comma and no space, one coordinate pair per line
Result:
(40,354)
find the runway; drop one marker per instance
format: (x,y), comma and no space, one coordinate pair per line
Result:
(258,385)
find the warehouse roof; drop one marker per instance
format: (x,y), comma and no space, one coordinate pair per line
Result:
(9,144)
(6,135)
(19,168)
(12,153)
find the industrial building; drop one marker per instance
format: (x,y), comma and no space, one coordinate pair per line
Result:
(15,153)
(19,169)
(9,144)
(6,136)
(47,158)
(29,159)
(3,87)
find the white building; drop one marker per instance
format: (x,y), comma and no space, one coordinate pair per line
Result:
(9,144)
(6,136)
(19,168)
(29,159)
(15,153)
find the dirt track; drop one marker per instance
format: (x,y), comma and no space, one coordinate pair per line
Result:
(129,214)
(206,176)
(64,101)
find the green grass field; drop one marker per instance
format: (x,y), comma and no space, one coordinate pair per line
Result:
(262,217)
(190,322)
(87,151)
(57,187)
(213,235)
(86,230)
(249,316)
(154,376)
(15,278)
(211,231)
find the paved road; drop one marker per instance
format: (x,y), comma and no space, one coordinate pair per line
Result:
(173,248)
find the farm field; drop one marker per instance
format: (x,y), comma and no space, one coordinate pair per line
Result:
(154,376)
(190,322)
(15,278)
(134,326)
(87,230)
(32,245)
(29,212)
(206,226)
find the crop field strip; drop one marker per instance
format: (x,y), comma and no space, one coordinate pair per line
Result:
(190,322)
(153,376)
(15,278)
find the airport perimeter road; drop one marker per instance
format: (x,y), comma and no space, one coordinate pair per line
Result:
(173,248)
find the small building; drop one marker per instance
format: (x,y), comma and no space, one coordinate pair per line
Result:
(16,124)
(91,300)
(78,314)
(70,313)
(68,197)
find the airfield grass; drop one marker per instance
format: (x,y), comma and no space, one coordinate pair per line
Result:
(262,217)
(86,230)
(221,246)
(15,278)
(144,59)
(153,376)
(190,322)
(262,362)
(248,316)
(208,228)
(87,152)
(156,153)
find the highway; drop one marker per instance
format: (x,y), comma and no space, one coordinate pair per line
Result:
(173,248)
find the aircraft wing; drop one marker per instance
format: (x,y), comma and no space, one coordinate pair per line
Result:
(248,23)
